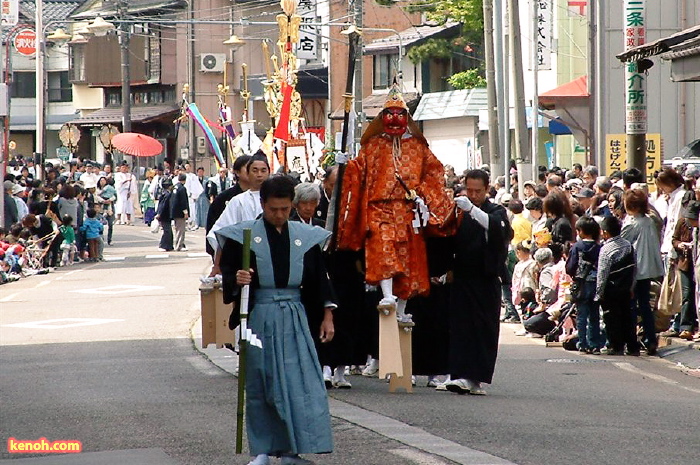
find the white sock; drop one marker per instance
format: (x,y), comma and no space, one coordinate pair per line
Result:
(339,373)
(400,308)
(326,372)
(387,286)
(262,459)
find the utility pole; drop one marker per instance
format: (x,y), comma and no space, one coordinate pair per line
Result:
(358,12)
(40,48)
(593,90)
(191,63)
(124,39)
(500,68)
(598,98)
(535,91)
(634,34)
(494,151)
(516,57)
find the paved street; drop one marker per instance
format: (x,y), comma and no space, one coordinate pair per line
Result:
(104,353)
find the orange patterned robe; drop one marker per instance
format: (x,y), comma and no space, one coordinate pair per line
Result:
(376,215)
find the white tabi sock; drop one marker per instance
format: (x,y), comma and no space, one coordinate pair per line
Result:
(387,286)
(262,459)
(400,308)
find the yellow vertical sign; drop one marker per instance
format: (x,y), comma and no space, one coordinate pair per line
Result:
(616,155)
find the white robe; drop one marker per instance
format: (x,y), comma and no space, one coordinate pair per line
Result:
(243,207)
(194,190)
(127,190)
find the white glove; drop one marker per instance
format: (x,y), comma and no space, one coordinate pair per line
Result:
(341,157)
(464,203)
(419,202)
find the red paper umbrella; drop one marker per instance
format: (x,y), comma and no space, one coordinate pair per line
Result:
(138,145)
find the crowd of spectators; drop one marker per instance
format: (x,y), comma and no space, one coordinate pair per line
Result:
(600,262)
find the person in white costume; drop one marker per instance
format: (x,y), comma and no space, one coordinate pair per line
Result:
(194,190)
(243,207)
(127,190)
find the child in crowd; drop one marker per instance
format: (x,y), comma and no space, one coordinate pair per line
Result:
(15,231)
(614,283)
(582,266)
(68,244)
(524,272)
(93,233)
(528,302)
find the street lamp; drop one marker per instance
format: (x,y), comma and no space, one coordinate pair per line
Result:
(234,42)
(100,27)
(59,36)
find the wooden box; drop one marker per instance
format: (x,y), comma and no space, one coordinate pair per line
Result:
(215,315)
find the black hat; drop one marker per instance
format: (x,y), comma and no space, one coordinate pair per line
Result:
(692,211)
(167,182)
(585,193)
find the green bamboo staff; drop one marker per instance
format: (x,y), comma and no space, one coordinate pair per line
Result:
(245,292)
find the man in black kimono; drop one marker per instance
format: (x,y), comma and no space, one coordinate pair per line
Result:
(475,302)
(286,397)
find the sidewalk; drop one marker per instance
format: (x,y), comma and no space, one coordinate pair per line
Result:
(682,353)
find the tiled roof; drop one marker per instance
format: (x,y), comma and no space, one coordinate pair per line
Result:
(92,8)
(53,10)
(451,104)
(138,115)
(411,36)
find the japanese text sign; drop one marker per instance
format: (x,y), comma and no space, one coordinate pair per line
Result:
(616,155)
(635,81)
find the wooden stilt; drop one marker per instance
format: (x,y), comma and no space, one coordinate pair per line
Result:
(403,382)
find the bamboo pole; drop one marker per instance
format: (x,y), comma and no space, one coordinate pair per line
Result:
(245,293)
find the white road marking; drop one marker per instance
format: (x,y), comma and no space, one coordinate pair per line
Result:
(114,259)
(67,323)
(158,256)
(118,289)
(412,436)
(43,283)
(414,456)
(662,379)
(197,254)
(9,297)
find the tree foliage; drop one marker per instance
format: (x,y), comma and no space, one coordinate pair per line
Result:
(468,12)
(468,79)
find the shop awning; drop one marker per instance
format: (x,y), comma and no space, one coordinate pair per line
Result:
(571,104)
(557,128)
(113,115)
(28,122)
(679,40)
(576,89)
(682,49)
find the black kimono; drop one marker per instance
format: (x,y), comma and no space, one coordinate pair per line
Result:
(475,300)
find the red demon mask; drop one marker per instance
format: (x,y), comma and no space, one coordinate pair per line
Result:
(395,121)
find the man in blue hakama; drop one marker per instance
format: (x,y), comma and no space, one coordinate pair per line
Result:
(286,400)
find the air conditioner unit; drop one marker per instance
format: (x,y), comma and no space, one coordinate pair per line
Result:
(212,62)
